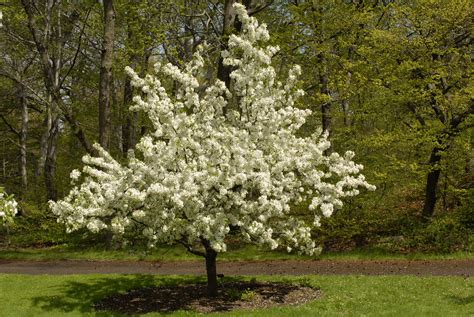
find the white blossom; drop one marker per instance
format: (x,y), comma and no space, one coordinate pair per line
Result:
(217,158)
(75,174)
(8,207)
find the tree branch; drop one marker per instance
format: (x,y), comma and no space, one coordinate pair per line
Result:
(190,249)
(77,50)
(10,127)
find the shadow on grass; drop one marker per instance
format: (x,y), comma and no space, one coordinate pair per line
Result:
(233,293)
(81,296)
(461,300)
(138,294)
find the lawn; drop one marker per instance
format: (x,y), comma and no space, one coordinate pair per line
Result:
(178,253)
(73,295)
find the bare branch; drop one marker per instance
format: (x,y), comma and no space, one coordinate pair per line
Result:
(190,249)
(10,127)
(77,50)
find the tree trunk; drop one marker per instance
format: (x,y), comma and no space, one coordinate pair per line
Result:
(229,23)
(345,110)
(136,61)
(23,137)
(211,269)
(44,142)
(50,164)
(51,72)
(345,102)
(444,143)
(223,71)
(129,128)
(105,86)
(326,107)
(78,132)
(432,182)
(326,118)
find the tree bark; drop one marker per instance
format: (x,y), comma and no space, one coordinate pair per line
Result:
(345,110)
(326,119)
(223,71)
(105,85)
(211,269)
(432,183)
(78,132)
(23,137)
(130,118)
(50,163)
(345,102)
(129,129)
(44,142)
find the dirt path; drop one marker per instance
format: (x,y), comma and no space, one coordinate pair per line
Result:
(289,267)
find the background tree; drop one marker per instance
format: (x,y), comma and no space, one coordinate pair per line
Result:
(424,70)
(106,77)
(51,26)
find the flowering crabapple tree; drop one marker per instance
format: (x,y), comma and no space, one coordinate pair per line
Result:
(217,159)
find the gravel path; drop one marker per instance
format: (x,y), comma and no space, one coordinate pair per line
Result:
(287,267)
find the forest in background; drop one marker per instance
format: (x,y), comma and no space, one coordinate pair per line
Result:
(390,80)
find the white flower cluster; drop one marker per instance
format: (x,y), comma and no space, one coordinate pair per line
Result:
(217,159)
(8,207)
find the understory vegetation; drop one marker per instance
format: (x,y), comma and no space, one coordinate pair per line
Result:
(346,231)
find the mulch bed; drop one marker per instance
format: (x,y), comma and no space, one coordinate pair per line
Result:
(193,297)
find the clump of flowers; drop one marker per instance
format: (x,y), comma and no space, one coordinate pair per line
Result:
(8,207)
(218,158)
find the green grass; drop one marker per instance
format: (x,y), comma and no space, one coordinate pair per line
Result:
(380,254)
(23,295)
(178,253)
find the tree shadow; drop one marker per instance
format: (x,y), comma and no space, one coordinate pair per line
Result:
(82,296)
(233,293)
(138,294)
(461,300)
